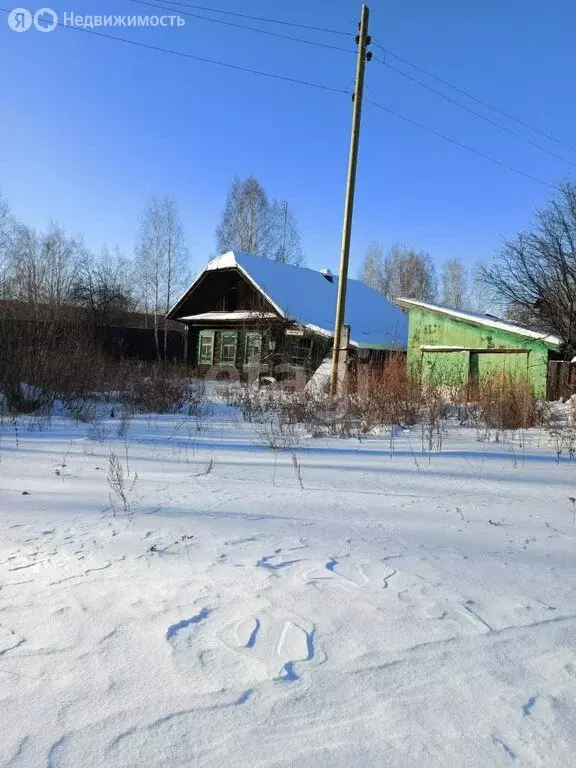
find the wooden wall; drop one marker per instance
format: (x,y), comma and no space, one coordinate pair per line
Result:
(307,350)
(561,380)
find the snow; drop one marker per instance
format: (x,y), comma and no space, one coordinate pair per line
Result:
(319,382)
(486,320)
(401,609)
(239,315)
(307,297)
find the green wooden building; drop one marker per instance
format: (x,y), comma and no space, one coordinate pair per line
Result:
(451,346)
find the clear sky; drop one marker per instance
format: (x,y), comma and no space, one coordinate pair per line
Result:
(90,128)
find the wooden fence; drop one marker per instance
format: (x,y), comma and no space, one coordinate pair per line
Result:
(561,379)
(139,343)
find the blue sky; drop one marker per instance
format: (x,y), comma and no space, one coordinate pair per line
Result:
(90,128)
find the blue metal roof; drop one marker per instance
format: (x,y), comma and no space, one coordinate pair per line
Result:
(309,298)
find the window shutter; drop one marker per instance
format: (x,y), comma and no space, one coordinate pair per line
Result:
(251,338)
(206,347)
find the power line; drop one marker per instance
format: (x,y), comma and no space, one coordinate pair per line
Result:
(474,112)
(203,59)
(297,81)
(261,18)
(474,98)
(461,145)
(380,61)
(244,26)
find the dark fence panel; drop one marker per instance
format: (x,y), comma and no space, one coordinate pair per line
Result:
(561,379)
(138,343)
(21,325)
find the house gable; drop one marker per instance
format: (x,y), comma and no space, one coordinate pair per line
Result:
(225,290)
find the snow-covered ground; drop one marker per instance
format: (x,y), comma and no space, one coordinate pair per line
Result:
(397,610)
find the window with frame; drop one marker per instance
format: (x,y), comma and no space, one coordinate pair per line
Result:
(253,348)
(228,346)
(301,350)
(206,348)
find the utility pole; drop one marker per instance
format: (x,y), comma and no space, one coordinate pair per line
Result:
(363,41)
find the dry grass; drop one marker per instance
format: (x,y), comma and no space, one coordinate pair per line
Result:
(43,361)
(504,402)
(391,396)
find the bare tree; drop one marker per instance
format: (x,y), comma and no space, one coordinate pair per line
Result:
(161,262)
(479,299)
(253,224)
(62,257)
(246,224)
(286,233)
(536,271)
(24,273)
(410,274)
(7,225)
(454,284)
(371,271)
(43,268)
(103,287)
(177,255)
(150,264)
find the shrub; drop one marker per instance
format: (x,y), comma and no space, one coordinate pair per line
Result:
(505,402)
(48,354)
(390,396)
(158,387)
(44,358)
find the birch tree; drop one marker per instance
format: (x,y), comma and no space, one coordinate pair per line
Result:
(409,274)
(252,224)
(245,224)
(479,299)
(161,263)
(371,271)
(454,284)
(42,268)
(286,234)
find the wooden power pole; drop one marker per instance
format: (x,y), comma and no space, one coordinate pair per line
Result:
(363,42)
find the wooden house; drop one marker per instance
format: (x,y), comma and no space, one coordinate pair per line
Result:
(248,313)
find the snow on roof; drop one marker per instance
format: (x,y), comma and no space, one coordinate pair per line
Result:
(239,315)
(486,320)
(307,297)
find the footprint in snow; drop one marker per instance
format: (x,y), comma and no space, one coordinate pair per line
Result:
(348,573)
(180,634)
(246,651)
(276,643)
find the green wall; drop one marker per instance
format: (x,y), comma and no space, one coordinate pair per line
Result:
(451,368)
